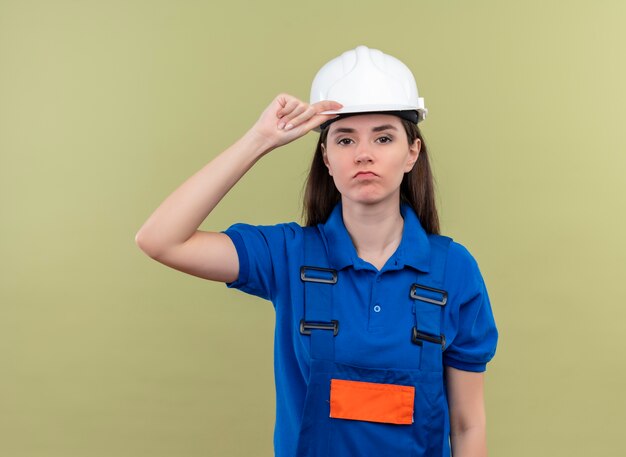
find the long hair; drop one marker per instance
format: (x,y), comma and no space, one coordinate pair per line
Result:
(417,188)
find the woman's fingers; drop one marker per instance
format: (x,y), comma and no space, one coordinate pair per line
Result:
(327,105)
(287,105)
(303,112)
(288,118)
(291,107)
(294,117)
(318,120)
(297,117)
(312,118)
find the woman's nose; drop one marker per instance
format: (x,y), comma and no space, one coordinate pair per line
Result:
(362,153)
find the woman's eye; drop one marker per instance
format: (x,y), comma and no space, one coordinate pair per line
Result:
(344,141)
(384,139)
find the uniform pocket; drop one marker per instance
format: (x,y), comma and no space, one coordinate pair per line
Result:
(354,411)
(371,402)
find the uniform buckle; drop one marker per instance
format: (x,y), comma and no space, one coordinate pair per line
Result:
(306,327)
(418,337)
(318,274)
(441,302)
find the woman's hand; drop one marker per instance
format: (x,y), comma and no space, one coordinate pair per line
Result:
(288,118)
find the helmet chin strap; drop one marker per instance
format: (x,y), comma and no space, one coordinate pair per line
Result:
(410,116)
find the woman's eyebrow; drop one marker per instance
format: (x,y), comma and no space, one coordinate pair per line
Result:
(342,130)
(384,127)
(380,128)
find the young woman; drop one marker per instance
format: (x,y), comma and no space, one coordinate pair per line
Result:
(383,326)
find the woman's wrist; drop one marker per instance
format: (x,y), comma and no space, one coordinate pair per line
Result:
(257,143)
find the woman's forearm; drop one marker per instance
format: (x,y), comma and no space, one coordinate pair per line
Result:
(471,442)
(182,212)
(177,219)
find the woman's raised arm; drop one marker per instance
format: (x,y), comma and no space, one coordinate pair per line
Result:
(171,235)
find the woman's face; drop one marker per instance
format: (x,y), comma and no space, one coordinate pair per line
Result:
(367,156)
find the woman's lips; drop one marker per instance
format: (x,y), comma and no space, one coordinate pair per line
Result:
(365,174)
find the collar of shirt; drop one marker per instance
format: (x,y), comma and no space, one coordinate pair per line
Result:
(414,249)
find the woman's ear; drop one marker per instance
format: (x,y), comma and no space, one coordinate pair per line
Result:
(325,158)
(414,152)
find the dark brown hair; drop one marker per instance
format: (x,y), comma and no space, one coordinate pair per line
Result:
(417,188)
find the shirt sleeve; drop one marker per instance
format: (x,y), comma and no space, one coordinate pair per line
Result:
(262,251)
(476,336)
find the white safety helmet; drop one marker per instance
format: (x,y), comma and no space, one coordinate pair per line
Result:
(367,80)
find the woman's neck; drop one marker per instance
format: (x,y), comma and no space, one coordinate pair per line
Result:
(376,230)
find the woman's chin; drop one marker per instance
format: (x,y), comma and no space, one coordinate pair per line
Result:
(369,199)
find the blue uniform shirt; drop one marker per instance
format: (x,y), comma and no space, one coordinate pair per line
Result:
(375,324)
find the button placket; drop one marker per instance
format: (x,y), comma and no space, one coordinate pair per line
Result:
(375,308)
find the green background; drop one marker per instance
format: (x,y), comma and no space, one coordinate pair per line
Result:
(107,107)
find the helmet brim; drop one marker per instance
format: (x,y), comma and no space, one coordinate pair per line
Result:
(411,114)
